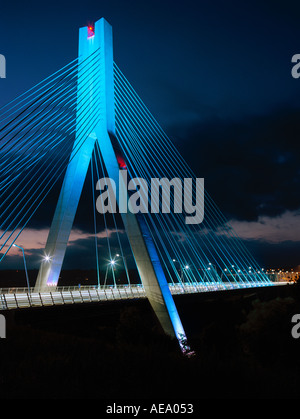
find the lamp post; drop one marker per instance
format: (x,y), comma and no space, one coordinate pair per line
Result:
(113,262)
(19,247)
(110,264)
(124,263)
(180,269)
(223,271)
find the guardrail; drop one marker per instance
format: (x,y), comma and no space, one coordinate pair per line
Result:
(14,298)
(21,298)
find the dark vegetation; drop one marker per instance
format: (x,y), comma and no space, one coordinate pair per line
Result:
(243,344)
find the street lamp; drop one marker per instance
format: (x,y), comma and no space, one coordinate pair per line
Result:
(110,264)
(180,269)
(19,247)
(125,265)
(222,274)
(184,270)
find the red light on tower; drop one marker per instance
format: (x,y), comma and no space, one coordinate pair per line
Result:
(91,31)
(121,161)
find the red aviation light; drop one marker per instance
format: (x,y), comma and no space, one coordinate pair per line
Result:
(121,162)
(91,31)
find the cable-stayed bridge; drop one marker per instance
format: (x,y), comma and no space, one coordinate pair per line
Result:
(83,123)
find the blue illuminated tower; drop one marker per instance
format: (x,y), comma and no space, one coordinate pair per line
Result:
(97,42)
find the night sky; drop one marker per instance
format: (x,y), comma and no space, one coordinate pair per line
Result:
(216,75)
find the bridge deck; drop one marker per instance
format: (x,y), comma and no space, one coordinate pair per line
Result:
(16,298)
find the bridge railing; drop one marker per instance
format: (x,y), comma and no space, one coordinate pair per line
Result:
(14,298)
(131,289)
(22,290)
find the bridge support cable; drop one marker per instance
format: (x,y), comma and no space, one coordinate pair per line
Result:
(149,139)
(49,160)
(173,154)
(170,227)
(95,221)
(46,135)
(30,111)
(156,174)
(177,225)
(121,243)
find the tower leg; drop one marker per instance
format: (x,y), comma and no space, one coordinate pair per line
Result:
(64,217)
(143,248)
(144,252)
(70,193)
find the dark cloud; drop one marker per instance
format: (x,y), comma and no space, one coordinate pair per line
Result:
(250,166)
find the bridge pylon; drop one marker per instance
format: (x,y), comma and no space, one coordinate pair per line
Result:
(99,43)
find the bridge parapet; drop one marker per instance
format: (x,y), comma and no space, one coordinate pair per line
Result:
(17,298)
